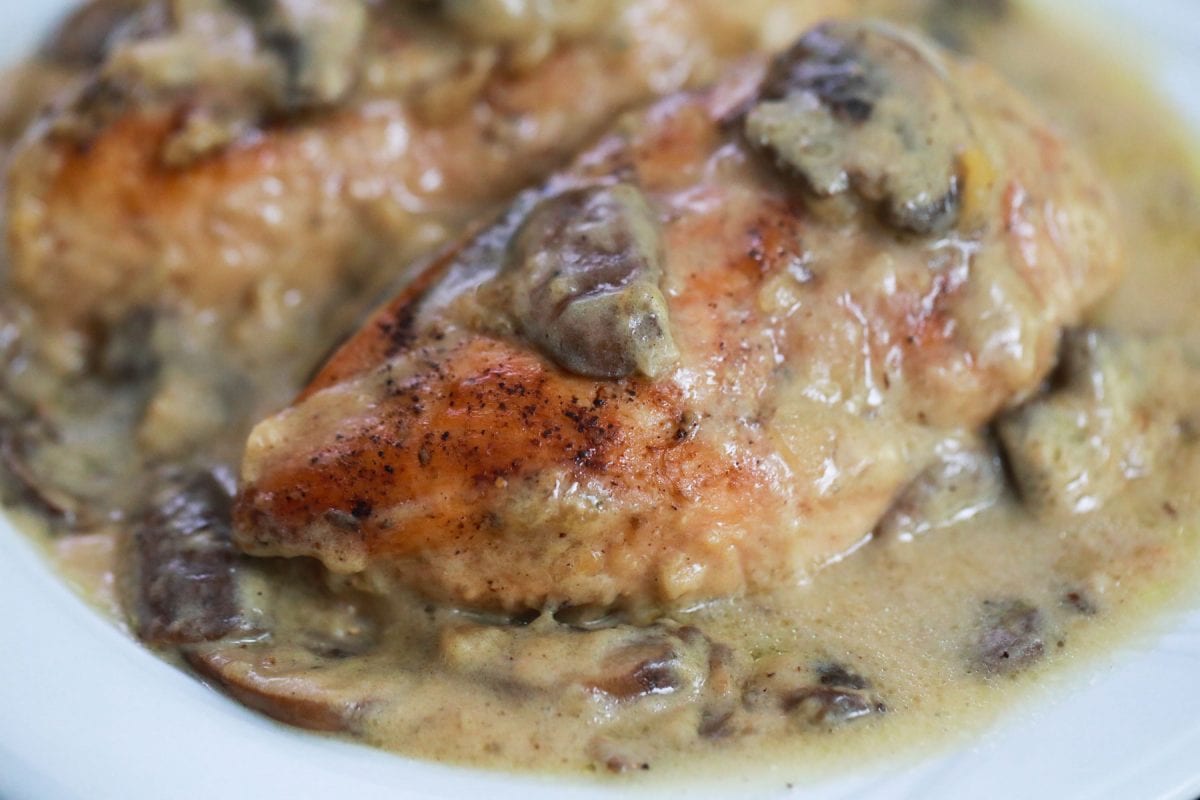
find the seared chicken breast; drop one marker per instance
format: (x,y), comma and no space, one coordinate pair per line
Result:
(707,357)
(228,188)
(257,164)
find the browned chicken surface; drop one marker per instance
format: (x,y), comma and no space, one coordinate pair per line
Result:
(707,357)
(229,187)
(233,184)
(761,412)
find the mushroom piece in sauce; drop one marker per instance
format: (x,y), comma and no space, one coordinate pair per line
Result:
(868,110)
(582,283)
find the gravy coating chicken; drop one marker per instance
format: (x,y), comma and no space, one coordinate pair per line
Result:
(706,358)
(233,184)
(229,187)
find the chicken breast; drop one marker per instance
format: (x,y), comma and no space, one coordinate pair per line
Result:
(236,161)
(241,182)
(706,358)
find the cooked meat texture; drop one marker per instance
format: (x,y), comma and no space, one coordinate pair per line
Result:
(285,205)
(256,173)
(819,361)
(1118,407)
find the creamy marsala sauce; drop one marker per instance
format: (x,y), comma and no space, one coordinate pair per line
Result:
(204,198)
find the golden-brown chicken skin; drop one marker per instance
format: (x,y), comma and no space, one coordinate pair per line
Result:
(233,185)
(201,173)
(707,357)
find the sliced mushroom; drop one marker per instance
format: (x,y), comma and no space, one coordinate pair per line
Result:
(224,66)
(581,282)
(826,694)
(521,21)
(638,670)
(722,693)
(82,39)
(965,479)
(283,682)
(820,705)
(307,648)
(318,44)
(1010,638)
(835,675)
(1113,411)
(125,351)
(22,483)
(858,107)
(622,662)
(181,584)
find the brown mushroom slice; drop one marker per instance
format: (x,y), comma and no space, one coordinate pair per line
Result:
(181,581)
(623,662)
(237,63)
(283,55)
(823,705)
(307,651)
(581,282)
(21,483)
(59,469)
(284,682)
(722,689)
(826,694)
(861,107)
(83,38)
(1011,637)
(318,43)
(1115,409)
(965,479)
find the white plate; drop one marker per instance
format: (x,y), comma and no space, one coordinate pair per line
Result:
(86,714)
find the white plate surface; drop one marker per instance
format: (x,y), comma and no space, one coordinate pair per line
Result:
(86,714)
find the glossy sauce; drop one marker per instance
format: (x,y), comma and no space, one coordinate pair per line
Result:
(896,623)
